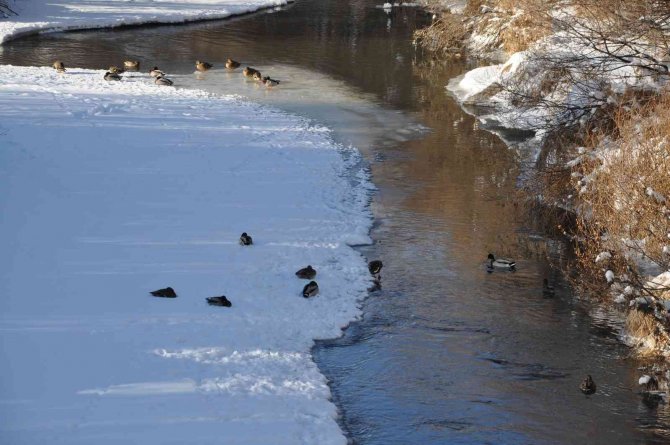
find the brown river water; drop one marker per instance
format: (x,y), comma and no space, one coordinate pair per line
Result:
(445,353)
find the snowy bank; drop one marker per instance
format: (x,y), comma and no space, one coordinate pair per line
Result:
(37,16)
(112,190)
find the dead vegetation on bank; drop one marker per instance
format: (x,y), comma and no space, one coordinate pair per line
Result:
(597,71)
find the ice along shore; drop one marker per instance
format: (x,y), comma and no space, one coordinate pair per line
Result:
(111,190)
(37,16)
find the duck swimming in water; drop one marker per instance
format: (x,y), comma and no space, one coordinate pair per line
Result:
(245,239)
(132,65)
(311,289)
(375,267)
(155,72)
(588,386)
(249,72)
(160,80)
(168,292)
(500,263)
(270,82)
(58,66)
(257,76)
(219,301)
(547,291)
(202,66)
(109,76)
(306,273)
(232,64)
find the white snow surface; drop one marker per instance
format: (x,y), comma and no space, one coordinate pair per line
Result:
(36,16)
(111,190)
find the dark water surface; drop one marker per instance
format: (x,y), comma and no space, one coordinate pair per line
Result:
(446,353)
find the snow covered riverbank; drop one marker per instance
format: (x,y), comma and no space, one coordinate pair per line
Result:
(111,190)
(36,16)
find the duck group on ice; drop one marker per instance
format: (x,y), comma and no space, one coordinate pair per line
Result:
(114,72)
(310,290)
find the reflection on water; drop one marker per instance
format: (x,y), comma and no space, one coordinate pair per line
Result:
(446,352)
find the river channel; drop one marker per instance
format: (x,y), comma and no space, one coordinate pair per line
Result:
(445,352)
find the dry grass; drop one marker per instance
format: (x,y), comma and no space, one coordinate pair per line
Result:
(445,35)
(628,192)
(527,22)
(650,338)
(510,25)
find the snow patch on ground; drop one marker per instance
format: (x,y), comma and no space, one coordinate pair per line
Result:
(36,16)
(111,190)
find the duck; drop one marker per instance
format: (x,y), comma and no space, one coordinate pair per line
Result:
(547,291)
(311,289)
(257,76)
(115,70)
(588,386)
(649,382)
(270,82)
(132,64)
(168,292)
(58,66)
(306,273)
(219,301)
(160,80)
(249,72)
(375,267)
(501,263)
(245,239)
(202,66)
(155,72)
(232,64)
(111,76)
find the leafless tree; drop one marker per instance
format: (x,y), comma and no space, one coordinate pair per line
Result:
(571,74)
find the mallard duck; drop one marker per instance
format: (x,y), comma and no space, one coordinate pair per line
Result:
(257,76)
(311,289)
(375,267)
(155,72)
(306,273)
(232,64)
(588,386)
(501,263)
(202,66)
(111,76)
(547,290)
(649,382)
(219,301)
(168,292)
(245,239)
(132,64)
(160,80)
(249,72)
(270,82)
(58,66)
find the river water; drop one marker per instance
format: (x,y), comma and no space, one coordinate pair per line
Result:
(445,352)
